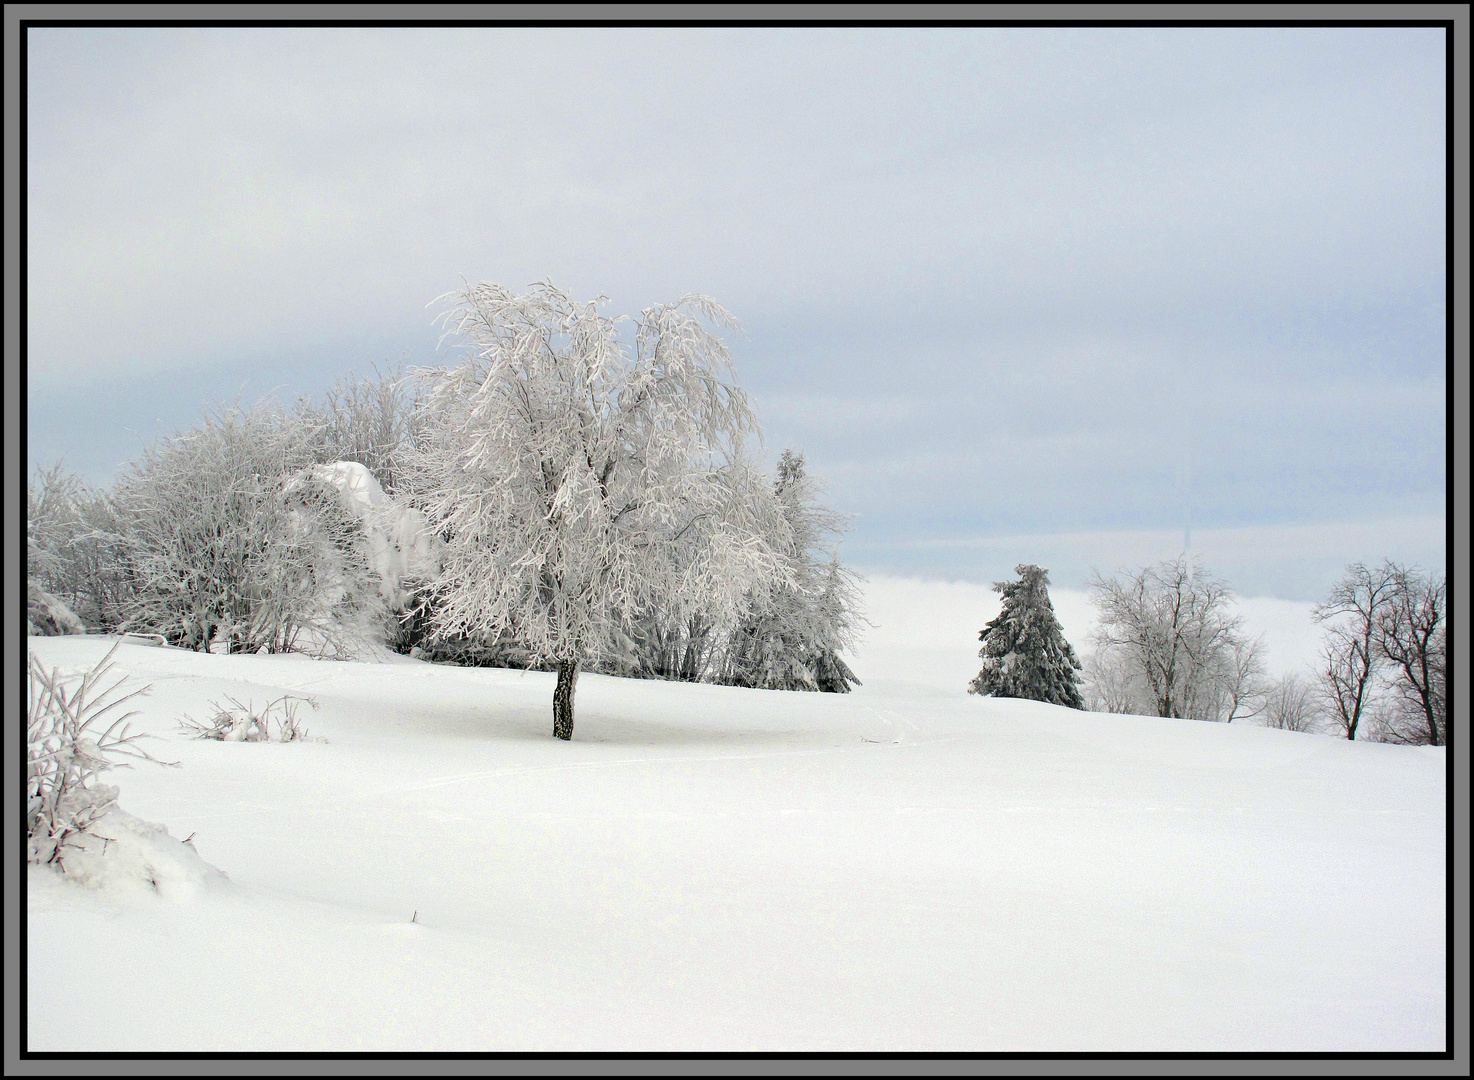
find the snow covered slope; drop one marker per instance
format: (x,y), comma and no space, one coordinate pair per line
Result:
(710,868)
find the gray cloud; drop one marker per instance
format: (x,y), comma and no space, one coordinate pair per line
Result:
(992,280)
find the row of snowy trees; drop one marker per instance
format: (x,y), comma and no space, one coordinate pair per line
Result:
(1167,643)
(223,537)
(576,493)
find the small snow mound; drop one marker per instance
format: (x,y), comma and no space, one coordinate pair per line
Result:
(46,616)
(124,856)
(403,549)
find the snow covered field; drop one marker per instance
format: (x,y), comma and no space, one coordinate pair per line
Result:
(707,868)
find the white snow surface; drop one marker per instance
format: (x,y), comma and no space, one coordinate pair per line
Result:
(708,868)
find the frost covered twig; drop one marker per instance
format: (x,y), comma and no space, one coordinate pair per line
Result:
(245,723)
(64,754)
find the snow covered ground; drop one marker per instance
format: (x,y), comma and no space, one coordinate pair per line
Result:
(707,868)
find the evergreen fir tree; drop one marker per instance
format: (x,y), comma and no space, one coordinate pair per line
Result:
(1025,654)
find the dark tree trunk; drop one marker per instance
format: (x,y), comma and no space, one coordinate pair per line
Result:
(563,699)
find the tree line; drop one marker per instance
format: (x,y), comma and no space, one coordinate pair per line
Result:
(576,494)
(1167,643)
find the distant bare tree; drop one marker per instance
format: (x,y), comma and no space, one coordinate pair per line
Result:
(1241,689)
(1170,625)
(1410,638)
(1351,655)
(1290,705)
(1107,683)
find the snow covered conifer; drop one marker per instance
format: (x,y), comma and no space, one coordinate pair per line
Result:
(1025,654)
(565,473)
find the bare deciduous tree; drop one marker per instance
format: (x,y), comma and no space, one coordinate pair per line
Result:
(1290,705)
(1240,684)
(1351,654)
(1170,626)
(1410,638)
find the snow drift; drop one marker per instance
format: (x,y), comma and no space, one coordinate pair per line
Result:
(706,868)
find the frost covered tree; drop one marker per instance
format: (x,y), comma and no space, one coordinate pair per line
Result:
(371,421)
(565,467)
(1108,683)
(1170,628)
(792,636)
(1025,654)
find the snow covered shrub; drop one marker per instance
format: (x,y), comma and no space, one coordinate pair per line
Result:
(791,636)
(395,541)
(233,543)
(564,469)
(51,530)
(65,753)
(1024,653)
(235,722)
(75,565)
(48,616)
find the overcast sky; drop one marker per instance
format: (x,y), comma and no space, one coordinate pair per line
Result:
(1019,295)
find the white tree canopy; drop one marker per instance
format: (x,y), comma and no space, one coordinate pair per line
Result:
(565,467)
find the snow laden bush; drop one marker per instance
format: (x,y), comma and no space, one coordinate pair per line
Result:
(792,635)
(237,722)
(400,547)
(233,544)
(53,526)
(566,465)
(1166,644)
(66,751)
(1024,653)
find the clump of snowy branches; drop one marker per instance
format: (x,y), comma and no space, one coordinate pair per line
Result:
(368,421)
(567,469)
(65,752)
(237,722)
(792,634)
(78,575)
